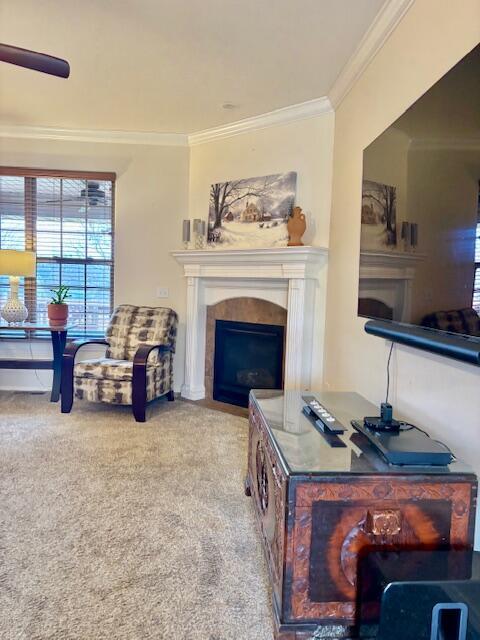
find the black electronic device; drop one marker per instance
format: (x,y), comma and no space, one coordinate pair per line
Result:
(385,421)
(409,446)
(324,420)
(419,595)
(326,423)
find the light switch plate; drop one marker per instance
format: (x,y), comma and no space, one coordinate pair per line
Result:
(162,292)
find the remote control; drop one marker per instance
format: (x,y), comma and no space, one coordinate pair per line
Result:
(323,418)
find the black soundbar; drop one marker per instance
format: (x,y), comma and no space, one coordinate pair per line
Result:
(444,343)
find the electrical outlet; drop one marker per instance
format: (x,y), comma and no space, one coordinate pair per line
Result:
(162,292)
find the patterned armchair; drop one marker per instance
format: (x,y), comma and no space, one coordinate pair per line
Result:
(138,363)
(466,321)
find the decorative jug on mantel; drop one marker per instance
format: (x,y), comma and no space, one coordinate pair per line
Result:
(296,226)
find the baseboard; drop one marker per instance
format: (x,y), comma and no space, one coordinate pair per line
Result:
(25,389)
(193,393)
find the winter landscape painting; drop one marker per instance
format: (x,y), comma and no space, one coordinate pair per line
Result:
(251,212)
(379,215)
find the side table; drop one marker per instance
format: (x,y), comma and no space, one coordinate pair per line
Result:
(58,336)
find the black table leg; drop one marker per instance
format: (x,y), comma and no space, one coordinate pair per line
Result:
(59,339)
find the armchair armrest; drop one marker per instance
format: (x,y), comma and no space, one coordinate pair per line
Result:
(74,346)
(139,378)
(68,364)
(143,351)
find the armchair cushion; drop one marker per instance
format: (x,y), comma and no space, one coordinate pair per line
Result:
(465,321)
(108,380)
(131,326)
(106,369)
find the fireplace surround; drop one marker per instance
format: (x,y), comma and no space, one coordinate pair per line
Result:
(291,277)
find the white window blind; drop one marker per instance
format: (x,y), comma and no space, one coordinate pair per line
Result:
(69,221)
(476,283)
(476,277)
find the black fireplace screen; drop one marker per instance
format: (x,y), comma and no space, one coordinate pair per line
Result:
(247,356)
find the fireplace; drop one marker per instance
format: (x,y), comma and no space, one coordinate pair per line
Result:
(247,356)
(293,279)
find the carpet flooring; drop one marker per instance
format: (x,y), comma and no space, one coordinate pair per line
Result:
(113,529)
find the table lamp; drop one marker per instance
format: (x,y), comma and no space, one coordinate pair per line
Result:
(16,264)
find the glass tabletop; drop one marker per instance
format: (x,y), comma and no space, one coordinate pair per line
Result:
(32,326)
(304,450)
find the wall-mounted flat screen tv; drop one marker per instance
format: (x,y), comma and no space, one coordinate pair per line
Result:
(420,216)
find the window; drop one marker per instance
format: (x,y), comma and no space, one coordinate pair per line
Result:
(476,281)
(67,218)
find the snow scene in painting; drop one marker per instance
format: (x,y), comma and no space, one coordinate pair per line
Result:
(252,212)
(379,213)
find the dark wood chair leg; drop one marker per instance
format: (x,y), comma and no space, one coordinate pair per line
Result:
(171,396)
(139,411)
(139,391)
(58,345)
(139,378)
(66,395)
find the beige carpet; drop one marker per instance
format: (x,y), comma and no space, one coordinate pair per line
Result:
(111,529)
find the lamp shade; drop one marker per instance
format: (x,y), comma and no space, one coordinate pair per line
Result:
(17,263)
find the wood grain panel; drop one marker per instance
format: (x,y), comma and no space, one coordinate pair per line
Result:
(433,514)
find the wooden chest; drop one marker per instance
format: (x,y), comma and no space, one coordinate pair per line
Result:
(318,508)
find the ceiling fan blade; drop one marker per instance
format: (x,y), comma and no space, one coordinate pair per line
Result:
(34,60)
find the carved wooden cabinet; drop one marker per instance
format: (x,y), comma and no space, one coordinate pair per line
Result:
(319,508)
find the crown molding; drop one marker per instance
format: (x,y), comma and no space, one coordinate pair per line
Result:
(93,135)
(385,22)
(293,113)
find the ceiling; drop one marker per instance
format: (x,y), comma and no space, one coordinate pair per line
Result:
(170,65)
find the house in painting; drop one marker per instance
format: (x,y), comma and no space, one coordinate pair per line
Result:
(250,213)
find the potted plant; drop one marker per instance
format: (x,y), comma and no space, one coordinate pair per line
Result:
(58,309)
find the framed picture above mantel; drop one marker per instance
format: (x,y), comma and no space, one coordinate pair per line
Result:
(251,212)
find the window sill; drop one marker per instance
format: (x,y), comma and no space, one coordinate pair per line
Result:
(41,335)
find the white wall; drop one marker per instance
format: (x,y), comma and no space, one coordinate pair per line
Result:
(153,187)
(150,203)
(305,147)
(437,393)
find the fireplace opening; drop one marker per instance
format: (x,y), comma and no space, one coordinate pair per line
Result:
(247,356)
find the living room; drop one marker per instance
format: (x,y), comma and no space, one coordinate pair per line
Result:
(112,527)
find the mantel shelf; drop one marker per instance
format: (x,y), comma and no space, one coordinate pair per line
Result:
(391,259)
(271,255)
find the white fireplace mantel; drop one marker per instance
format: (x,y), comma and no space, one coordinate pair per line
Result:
(388,276)
(389,264)
(286,276)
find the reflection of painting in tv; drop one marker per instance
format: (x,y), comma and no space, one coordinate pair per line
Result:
(251,212)
(379,213)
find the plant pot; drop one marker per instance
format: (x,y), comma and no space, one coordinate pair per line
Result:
(57,314)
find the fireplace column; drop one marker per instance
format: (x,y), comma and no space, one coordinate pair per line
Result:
(194,385)
(301,293)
